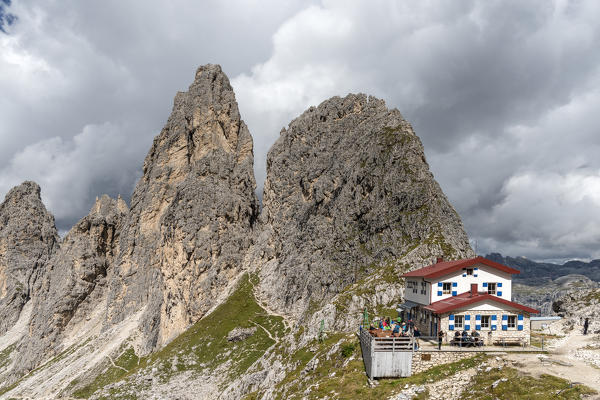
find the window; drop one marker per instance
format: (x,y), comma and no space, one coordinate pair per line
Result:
(491,288)
(423,288)
(512,321)
(485,321)
(459,321)
(469,271)
(447,288)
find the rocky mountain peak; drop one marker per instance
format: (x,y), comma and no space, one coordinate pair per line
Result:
(27,238)
(348,191)
(192,213)
(73,287)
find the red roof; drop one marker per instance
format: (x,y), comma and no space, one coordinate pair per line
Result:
(446,267)
(465,299)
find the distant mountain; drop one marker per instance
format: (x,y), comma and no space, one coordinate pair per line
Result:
(538,273)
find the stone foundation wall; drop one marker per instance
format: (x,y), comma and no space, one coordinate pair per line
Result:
(486,334)
(419,364)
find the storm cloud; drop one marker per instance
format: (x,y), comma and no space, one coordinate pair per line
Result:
(504,95)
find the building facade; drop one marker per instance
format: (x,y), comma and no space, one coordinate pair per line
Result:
(466,295)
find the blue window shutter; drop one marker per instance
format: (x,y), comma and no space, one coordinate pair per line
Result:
(451,317)
(499,294)
(440,284)
(478,317)
(454,293)
(451,322)
(476,268)
(454,284)
(504,327)
(467,322)
(484,284)
(494,319)
(477,322)
(439,292)
(520,322)
(467,317)
(505,317)
(499,284)
(475,275)
(505,322)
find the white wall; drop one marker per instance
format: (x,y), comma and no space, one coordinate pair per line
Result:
(417,297)
(487,306)
(484,274)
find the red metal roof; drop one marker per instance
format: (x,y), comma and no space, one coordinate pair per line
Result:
(446,267)
(465,299)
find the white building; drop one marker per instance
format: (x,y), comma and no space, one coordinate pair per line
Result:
(471,294)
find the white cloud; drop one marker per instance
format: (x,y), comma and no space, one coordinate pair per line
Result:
(68,170)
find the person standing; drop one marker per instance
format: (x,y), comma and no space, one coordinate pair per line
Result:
(440,337)
(586,325)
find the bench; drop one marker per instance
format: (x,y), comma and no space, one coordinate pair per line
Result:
(516,340)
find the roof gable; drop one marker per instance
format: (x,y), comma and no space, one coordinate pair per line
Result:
(466,299)
(446,267)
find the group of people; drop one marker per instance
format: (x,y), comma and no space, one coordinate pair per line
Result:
(398,327)
(465,338)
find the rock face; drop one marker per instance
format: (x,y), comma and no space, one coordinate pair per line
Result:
(348,190)
(577,305)
(192,214)
(542,296)
(27,239)
(76,279)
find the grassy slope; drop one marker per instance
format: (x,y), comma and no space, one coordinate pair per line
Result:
(520,386)
(203,347)
(340,374)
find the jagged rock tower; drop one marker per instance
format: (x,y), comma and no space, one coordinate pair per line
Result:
(192,214)
(73,288)
(27,238)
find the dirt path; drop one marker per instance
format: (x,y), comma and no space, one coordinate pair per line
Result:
(561,361)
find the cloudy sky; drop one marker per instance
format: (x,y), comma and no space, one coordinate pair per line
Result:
(504,94)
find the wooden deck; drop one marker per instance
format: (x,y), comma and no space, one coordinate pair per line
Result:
(387,357)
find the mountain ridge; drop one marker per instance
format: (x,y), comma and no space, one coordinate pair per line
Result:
(349,204)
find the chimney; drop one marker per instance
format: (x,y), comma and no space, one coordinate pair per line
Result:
(473,289)
(439,260)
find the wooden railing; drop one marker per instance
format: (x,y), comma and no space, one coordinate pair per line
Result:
(403,343)
(387,343)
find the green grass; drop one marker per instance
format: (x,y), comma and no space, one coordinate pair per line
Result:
(5,355)
(593,294)
(349,380)
(519,386)
(204,346)
(127,362)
